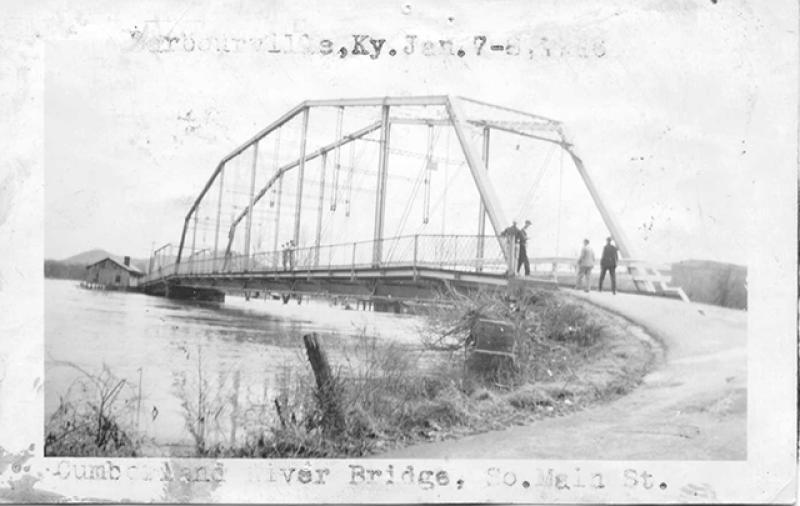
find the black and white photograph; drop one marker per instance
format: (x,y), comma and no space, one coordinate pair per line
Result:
(405,251)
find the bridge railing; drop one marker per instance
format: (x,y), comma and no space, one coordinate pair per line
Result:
(463,253)
(632,275)
(455,252)
(468,253)
(159,272)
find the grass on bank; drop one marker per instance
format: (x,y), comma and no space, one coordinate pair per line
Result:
(567,356)
(95,417)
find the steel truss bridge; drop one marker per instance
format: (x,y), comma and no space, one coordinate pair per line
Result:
(324,206)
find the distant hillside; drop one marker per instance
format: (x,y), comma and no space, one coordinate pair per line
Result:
(87,257)
(712,282)
(57,270)
(74,267)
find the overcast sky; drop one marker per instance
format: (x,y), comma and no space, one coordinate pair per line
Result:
(663,104)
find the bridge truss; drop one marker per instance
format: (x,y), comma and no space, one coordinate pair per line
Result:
(368,183)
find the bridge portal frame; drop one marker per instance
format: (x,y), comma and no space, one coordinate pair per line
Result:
(489,201)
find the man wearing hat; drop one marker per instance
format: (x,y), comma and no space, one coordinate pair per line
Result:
(608,263)
(522,237)
(585,264)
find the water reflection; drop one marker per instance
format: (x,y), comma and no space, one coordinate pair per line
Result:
(245,349)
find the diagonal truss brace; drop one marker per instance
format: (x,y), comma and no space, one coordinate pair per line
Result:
(609,219)
(291,165)
(487,193)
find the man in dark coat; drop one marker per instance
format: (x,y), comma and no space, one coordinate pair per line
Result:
(522,238)
(512,231)
(608,262)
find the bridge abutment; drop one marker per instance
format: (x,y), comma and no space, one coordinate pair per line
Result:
(194,293)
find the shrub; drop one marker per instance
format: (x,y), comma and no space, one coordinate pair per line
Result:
(529,397)
(94,418)
(386,391)
(550,331)
(483,394)
(203,402)
(567,322)
(432,414)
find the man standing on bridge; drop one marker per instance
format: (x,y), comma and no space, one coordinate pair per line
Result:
(522,238)
(585,264)
(608,262)
(512,231)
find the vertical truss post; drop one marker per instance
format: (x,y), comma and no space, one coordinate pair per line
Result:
(337,157)
(194,237)
(275,162)
(194,231)
(277,221)
(219,214)
(350,169)
(300,174)
(380,196)
(324,158)
(249,225)
(426,205)
(482,210)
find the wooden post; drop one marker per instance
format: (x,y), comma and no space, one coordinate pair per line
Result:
(329,395)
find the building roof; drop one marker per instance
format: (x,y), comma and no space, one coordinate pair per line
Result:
(133,270)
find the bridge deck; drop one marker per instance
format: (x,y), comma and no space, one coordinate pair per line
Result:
(401,281)
(411,266)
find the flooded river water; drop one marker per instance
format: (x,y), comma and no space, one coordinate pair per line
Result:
(169,347)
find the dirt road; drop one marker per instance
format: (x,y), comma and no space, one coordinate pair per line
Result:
(691,406)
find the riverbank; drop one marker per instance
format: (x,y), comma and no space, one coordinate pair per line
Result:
(570,355)
(691,405)
(570,376)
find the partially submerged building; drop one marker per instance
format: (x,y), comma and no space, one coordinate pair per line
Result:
(109,274)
